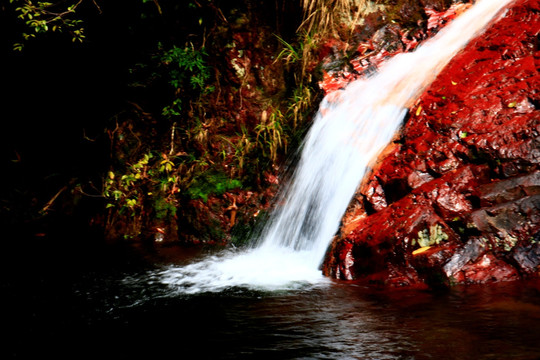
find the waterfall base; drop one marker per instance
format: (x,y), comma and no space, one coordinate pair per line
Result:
(264,268)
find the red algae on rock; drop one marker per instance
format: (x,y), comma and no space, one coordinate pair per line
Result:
(462,180)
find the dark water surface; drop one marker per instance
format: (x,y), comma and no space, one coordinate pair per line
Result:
(65,310)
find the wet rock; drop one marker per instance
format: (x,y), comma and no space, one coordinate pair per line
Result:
(387,237)
(438,19)
(388,38)
(375,195)
(395,276)
(399,27)
(505,224)
(469,253)
(457,201)
(449,195)
(527,257)
(487,269)
(433,257)
(340,265)
(417,178)
(508,190)
(429,263)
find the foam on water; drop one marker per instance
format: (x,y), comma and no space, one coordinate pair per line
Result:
(350,129)
(266,268)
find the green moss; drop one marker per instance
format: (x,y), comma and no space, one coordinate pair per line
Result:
(506,241)
(432,236)
(211,183)
(164,209)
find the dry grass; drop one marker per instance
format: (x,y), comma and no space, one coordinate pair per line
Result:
(324,19)
(325,16)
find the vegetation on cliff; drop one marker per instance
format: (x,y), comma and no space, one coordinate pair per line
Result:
(172,119)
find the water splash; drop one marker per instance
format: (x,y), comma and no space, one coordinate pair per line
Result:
(265,269)
(351,128)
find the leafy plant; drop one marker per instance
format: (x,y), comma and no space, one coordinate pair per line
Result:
(270,134)
(186,63)
(299,57)
(187,72)
(301,104)
(289,53)
(122,191)
(242,145)
(41,17)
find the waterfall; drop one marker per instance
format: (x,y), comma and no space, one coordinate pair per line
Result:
(351,128)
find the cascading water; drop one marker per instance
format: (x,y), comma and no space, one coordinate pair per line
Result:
(350,129)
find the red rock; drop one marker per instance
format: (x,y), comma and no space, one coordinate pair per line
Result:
(487,269)
(333,82)
(429,264)
(449,194)
(384,240)
(384,42)
(467,164)
(506,223)
(346,261)
(438,18)
(375,195)
(434,257)
(394,276)
(469,253)
(509,190)
(418,178)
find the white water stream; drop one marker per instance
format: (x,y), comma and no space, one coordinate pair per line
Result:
(349,131)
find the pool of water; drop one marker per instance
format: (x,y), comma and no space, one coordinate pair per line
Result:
(121,309)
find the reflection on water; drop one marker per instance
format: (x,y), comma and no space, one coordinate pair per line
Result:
(127,313)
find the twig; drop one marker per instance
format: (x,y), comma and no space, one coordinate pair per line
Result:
(172,138)
(50,202)
(158,7)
